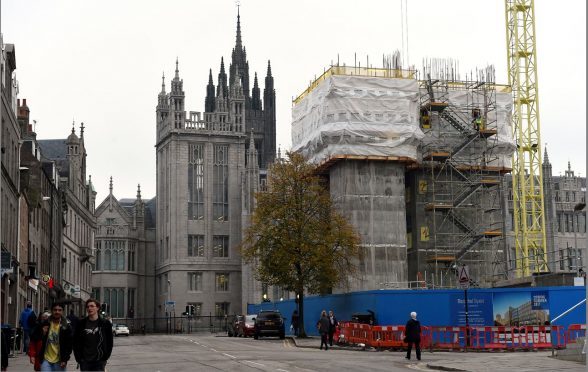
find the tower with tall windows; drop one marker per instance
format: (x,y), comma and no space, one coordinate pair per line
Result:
(203,173)
(123,275)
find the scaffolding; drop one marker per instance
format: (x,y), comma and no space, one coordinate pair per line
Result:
(460,182)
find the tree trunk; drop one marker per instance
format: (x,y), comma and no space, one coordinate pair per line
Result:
(301,331)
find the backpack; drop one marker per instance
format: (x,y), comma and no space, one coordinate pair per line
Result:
(32,320)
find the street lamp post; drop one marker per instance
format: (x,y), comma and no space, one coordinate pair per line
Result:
(578,208)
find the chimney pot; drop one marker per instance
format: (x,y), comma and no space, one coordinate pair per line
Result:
(24,102)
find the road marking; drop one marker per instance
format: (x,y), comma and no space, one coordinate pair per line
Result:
(230,356)
(282,370)
(213,350)
(259,364)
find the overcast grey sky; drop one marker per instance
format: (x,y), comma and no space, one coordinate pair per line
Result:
(101,62)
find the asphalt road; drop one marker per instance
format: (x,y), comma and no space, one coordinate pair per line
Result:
(199,352)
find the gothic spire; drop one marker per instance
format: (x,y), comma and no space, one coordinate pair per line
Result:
(238,43)
(252,153)
(139,191)
(177,70)
(545,156)
(82,131)
(209,100)
(163,82)
(255,95)
(222,88)
(110,187)
(269,68)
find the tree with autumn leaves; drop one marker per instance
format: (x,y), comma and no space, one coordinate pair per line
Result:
(297,240)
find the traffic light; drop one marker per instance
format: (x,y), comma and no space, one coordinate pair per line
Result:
(104,309)
(192,310)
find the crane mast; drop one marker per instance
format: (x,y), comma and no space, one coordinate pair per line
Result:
(527,175)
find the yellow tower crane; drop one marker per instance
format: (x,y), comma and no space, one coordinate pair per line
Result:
(527,176)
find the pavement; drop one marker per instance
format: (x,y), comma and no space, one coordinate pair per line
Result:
(468,361)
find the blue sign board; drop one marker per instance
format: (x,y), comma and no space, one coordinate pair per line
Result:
(479,309)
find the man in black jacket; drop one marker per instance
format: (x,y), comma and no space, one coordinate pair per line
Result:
(57,342)
(413,335)
(93,339)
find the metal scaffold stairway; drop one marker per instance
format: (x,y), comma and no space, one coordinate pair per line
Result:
(463,193)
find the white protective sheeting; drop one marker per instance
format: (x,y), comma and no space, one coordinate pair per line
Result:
(497,149)
(353,115)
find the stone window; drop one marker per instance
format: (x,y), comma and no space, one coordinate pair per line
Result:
(195,281)
(220,205)
(196,182)
(115,298)
(222,282)
(131,256)
(220,246)
(196,245)
(114,255)
(221,309)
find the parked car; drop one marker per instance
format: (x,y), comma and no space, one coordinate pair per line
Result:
(246,327)
(269,323)
(365,318)
(233,325)
(120,329)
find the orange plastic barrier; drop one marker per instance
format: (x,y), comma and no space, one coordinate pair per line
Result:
(517,338)
(356,333)
(392,337)
(388,337)
(487,338)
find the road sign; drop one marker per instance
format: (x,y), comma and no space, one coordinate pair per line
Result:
(172,303)
(463,277)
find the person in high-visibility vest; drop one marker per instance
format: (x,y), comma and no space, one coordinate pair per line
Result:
(478,120)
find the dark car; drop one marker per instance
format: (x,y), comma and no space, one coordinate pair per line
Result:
(246,327)
(233,325)
(269,323)
(365,318)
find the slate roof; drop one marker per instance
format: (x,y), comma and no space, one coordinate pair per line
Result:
(56,150)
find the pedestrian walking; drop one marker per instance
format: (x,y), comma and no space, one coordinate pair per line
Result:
(27,321)
(333,324)
(36,345)
(93,339)
(294,322)
(323,328)
(56,344)
(413,335)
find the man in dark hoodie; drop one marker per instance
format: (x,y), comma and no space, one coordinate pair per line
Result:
(93,339)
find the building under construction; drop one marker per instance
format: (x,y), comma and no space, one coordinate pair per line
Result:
(416,161)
